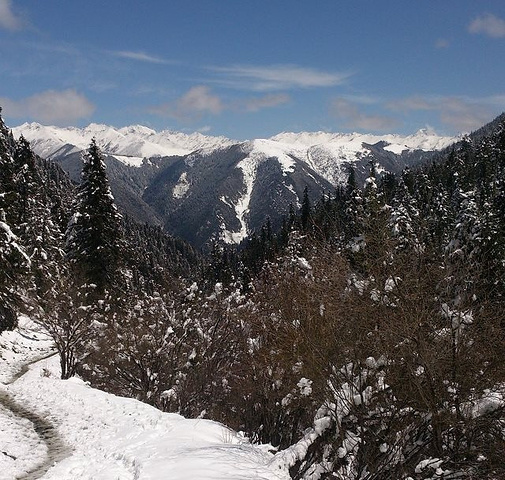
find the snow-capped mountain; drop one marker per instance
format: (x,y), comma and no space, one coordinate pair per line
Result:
(132,144)
(129,144)
(203,188)
(227,193)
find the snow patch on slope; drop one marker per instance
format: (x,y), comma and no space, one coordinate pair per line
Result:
(258,152)
(182,186)
(249,167)
(130,161)
(280,151)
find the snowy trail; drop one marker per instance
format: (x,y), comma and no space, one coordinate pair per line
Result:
(56,450)
(24,367)
(29,443)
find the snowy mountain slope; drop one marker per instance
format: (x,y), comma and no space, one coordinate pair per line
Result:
(226,194)
(133,143)
(258,154)
(112,437)
(275,171)
(351,143)
(329,154)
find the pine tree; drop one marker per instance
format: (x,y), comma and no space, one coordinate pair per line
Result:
(28,185)
(93,240)
(93,246)
(404,219)
(38,228)
(353,213)
(7,183)
(14,262)
(306,210)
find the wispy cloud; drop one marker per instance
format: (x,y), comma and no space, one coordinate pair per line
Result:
(195,103)
(200,100)
(51,106)
(461,114)
(488,24)
(416,102)
(140,57)
(8,19)
(442,43)
(267,101)
(353,116)
(277,77)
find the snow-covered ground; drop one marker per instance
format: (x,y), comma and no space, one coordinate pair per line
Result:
(95,435)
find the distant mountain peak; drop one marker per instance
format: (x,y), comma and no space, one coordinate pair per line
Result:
(138,130)
(126,143)
(138,141)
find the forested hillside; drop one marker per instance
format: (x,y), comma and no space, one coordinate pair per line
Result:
(364,339)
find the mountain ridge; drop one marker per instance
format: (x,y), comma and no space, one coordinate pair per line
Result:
(141,141)
(206,189)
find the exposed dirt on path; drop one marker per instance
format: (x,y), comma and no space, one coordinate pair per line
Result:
(47,433)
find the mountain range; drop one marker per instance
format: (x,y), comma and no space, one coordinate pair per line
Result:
(204,188)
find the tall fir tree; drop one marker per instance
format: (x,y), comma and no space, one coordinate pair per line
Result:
(38,228)
(93,238)
(14,262)
(306,210)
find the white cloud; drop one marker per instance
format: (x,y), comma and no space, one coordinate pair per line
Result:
(354,117)
(200,100)
(8,19)
(195,103)
(140,56)
(488,24)
(277,77)
(461,114)
(415,102)
(51,106)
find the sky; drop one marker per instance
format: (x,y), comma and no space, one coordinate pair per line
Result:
(251,69)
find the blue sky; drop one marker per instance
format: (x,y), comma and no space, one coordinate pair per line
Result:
(249,69)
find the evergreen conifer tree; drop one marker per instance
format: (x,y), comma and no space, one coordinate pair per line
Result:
(306,210)
(13,259)
(93,240)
